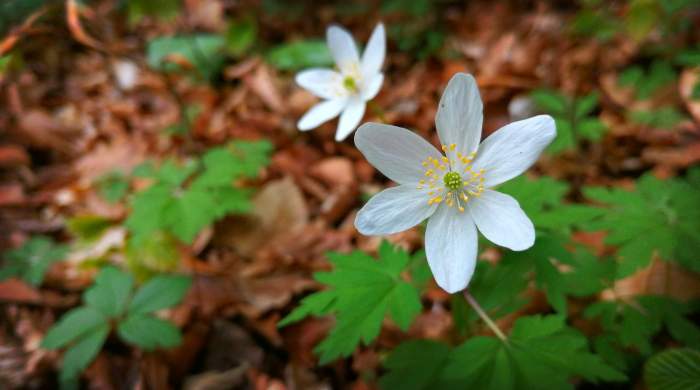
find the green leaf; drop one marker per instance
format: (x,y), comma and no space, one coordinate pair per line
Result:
(665,117)
(202,51)
(674,369)
(415,365)
(362,292)
(585,105)
(164,10)
(79,356)
(156,252)
(149,332)
(661,211)
(113,186)
(73,325)
(32,260)
(541,353)
(571,118)
(110,291)
(634,324)
(647,82)
(241,35)
(161,292)
(542,199)
(300,54)
(185,199)
(552,102)
(88,228)
(641,18)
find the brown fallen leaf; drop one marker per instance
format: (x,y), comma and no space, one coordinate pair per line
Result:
(686,85)
(278,208)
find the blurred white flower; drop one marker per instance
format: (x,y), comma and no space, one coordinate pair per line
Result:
(348,88)
(453,189)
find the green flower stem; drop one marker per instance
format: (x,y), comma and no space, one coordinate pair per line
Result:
(480,311)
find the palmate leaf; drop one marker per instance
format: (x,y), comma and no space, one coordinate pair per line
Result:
(149,332)
(160,292)
(572,116)
(110,292)
(362,292)
(633,324)
(662,212)
(183,200)
(84,329)
(542,199)
(540,353)
(32,260)
(674,369)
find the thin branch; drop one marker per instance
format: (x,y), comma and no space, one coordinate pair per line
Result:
(479,310)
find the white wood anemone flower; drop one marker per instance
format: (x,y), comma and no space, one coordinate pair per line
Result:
(347,89)
(453,188)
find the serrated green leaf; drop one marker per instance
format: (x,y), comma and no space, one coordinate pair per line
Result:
(185,199)
(674,369)
(541,353)
(634,323)
(415,365)
(32,260)
(661,211)
(110,291)
(161,292)
(73,325)
(362,291)
(82,353)
(149,332)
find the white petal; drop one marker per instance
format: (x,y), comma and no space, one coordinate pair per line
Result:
(343,47)
(395,151)
(320,113)
(460,114)
(500,219)
(451,246)
(324,83)
(350,118)
(373,56)
(371,87)
(394,210)
(514,148)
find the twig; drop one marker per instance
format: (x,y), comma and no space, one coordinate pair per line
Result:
(475,305)
(9,41)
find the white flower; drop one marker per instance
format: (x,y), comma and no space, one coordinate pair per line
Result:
(453,190)
(347,89)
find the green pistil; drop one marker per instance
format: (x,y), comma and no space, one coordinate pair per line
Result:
(350,84)
(453,181)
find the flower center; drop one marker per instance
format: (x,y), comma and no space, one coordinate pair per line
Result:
(453,180)
(350,84)
(459,181)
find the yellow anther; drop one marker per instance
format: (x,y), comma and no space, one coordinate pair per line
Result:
(461,209)
(445,159)
(453,146)
(465,197)
(444,148)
